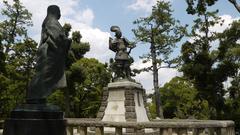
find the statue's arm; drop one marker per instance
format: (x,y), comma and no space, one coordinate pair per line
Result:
(56,35)
(128,43)
(54,31)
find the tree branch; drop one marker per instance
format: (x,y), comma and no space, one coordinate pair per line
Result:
(236,5)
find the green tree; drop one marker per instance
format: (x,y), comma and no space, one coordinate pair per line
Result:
(206,66)
(233,111)
(200,6)
(86,79)
(229,56)
(17,51)
(161,31)
(179,98)
(18,72)
(77,51)
(67,28)
(2,57)
(17,19)
(198,60)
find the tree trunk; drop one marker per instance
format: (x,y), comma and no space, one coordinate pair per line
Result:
(158,103)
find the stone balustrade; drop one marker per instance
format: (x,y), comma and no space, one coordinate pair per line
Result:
(160,127)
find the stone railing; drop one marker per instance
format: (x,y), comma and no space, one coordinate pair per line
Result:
(161,127)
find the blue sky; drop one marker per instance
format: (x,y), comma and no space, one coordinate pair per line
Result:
(95,17)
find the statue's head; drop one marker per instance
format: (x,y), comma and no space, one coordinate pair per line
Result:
(54,10)
(117,31)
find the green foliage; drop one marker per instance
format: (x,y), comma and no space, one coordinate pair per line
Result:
(234,89)
(17,56)
(86,79)
(232,111)
(201,65)
(230,62)
(179,98)
(88,93)
(17,19)
(67,28)
(162,32)
(209,67)
(2,57)
(81,98)
(152,109)
(200,6)
(58,98)
(229,49)
(19,70)
(78,49)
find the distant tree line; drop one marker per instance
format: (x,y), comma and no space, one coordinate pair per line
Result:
(207,60)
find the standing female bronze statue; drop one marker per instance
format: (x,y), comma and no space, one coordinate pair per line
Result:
(36,117)
(51,56)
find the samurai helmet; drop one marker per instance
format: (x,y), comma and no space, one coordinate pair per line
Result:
(115,29)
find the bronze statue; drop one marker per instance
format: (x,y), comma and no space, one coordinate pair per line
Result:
(51,56)
(122,60)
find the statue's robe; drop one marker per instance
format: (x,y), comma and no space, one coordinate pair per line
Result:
(51,57)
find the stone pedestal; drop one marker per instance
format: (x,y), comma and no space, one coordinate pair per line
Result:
(35,119)
(123,101)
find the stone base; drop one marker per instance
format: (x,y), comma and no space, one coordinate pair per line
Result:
(34,127)
(35,119)
(37,111)
(123,101)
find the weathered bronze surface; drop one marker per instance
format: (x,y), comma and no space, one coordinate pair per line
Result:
(51,56)
(122,60)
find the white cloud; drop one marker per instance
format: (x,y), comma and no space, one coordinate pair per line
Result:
(144,5)
(99,42)
(80,19)
(146,78)
(228,19)
(85,16)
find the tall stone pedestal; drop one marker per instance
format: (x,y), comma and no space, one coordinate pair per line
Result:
(35,119)
(123,101)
